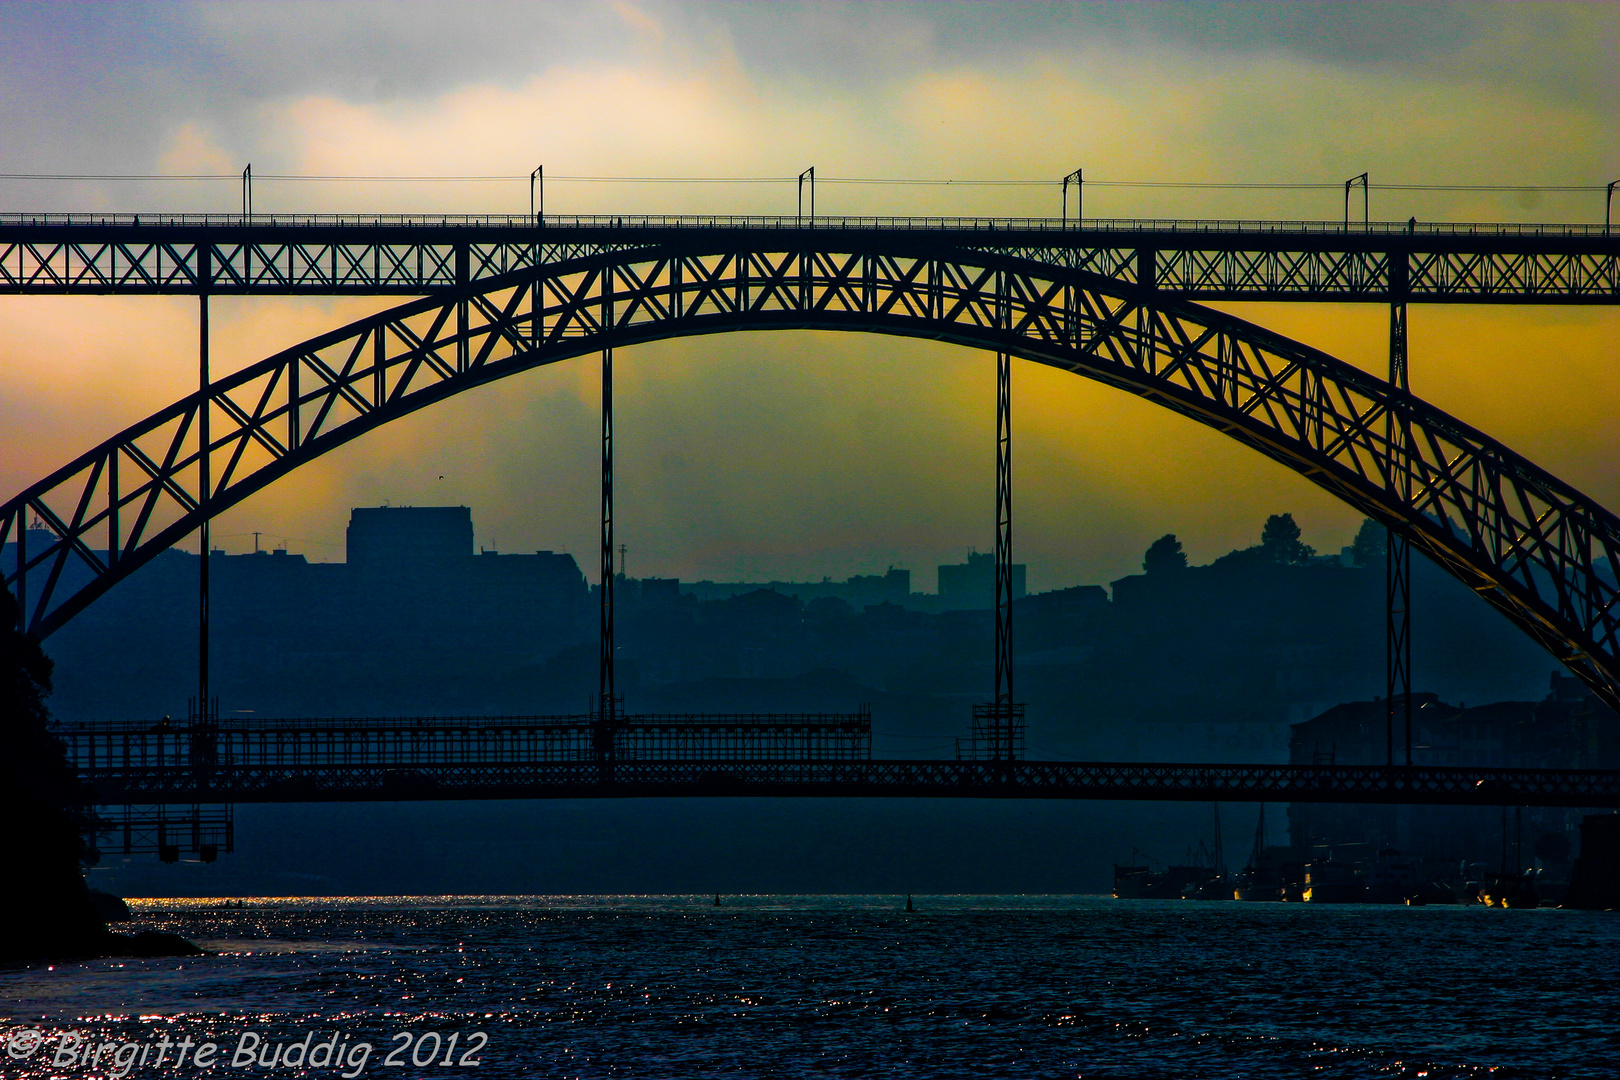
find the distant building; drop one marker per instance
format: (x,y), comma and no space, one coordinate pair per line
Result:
(973,584)
(414,622)
(1569,729)
(409,534)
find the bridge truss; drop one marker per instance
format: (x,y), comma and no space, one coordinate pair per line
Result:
(329,255)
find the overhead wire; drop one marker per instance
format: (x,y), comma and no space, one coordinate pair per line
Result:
(897,181)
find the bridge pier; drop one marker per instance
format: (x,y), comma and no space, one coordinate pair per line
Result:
(1004,598)
(1397,551)
(607,706)
(204,486)
(998,725)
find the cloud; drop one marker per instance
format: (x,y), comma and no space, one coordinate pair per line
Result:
(799,454)
(637,19)
(192,150)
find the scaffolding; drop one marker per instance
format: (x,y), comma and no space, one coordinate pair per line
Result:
(998,733)
(464,740)
(204,830)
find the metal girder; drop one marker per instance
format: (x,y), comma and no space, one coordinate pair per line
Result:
(907,779)
(1532,545)
(1202,260)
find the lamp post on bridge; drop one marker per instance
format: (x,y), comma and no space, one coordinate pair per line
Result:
(539,174)
(809,174)
(247,193)
(1366,201)
(1608,201)
(1078,179)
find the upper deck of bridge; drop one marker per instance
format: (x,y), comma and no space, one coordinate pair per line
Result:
(1201,259)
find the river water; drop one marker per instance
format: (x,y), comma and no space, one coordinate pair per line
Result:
(832,986)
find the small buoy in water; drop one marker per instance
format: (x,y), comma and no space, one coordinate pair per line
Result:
(716,899)
(909,908)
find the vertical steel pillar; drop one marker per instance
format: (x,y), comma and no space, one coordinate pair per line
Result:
(20,590)
(204,486)
(607,697)
(1004,597)
(998,725)
(1397,552)
(463,277)
(607,711)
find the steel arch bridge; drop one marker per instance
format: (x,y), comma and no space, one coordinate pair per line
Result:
(1540,551)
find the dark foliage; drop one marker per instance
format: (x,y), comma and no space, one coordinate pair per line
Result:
(1280,540)
(1370,546)
(1164,555)
(32,760)
(45,909)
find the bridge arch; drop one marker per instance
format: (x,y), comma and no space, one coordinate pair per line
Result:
(1536,548)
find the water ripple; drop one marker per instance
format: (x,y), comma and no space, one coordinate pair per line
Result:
(1026,987)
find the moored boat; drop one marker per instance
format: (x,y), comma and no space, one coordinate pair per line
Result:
(1261,877)
(1171,883)
(1331,882)
(1391,878)
(1510,891)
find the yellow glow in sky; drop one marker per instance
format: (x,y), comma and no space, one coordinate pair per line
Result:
(800,454)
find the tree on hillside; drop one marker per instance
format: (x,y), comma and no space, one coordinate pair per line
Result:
(1164,555)
(1281,543)
(1370,547)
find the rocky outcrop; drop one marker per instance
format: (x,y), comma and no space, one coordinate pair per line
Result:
(149,943)
(111,908)
(46,910)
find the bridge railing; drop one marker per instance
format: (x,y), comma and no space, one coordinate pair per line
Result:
(1462,786)
(793,221)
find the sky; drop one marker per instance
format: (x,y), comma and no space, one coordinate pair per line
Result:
(799,454)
